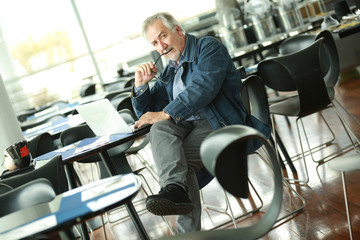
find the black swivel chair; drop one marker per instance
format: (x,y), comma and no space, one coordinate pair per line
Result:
(224,153)
(301,71)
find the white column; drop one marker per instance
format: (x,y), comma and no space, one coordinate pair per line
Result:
(10,130)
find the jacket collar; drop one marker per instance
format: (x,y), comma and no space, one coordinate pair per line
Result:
(190,48)
(189,51)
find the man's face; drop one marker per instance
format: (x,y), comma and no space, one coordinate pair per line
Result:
(165,40)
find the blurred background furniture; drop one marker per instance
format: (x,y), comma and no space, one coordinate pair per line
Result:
(88,89)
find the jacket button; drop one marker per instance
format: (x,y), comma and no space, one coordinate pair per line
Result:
(177,118)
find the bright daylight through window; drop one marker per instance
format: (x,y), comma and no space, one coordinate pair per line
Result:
(44,53)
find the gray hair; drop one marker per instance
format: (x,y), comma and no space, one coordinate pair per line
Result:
(168,20)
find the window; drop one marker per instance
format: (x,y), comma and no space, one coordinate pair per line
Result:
(43,52)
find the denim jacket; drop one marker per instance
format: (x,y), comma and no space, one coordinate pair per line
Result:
(212,85)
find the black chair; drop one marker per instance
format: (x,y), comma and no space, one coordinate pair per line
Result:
(224,153)
(28,194)
(41,144)
(254,99)
(301,71)
(22,116)
(52,170)
(88,89)
(329,58)
(122,84)
(110,94)
(123,101)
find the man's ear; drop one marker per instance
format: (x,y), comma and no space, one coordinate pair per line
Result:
(179,31)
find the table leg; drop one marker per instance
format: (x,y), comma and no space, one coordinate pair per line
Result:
(136,220)
(84,232)
(129,206)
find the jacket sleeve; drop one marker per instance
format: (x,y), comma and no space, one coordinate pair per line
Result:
(153,100)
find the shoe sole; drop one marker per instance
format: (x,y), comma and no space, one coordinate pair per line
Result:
(162,207)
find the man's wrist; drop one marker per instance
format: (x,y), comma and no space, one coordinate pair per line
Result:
(167,116)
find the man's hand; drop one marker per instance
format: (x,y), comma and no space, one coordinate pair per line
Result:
(151,118)
(144,73)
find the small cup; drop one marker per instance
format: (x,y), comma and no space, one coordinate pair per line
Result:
(20,154)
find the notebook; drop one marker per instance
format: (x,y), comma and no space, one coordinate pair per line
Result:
(103,119)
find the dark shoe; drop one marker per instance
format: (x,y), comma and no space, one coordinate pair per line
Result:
(171,200)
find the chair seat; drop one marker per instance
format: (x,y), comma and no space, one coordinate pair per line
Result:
(30,194)
(346,163)
(290,106)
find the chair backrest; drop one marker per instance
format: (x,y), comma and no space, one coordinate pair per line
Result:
(224,153)
(22,117)
(127,115)
(29,194)
(88,89)
(296,43)
(41,144)
(329,56)
(299,71)
(254,98)
(53,170)
(122,101)
(111,94)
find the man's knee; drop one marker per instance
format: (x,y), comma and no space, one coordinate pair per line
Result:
(161,126)
(160,130)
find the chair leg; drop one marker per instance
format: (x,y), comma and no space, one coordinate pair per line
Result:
(347,130)
(228,207)
(311,149)
(346,204)
(352,116)
(147,165)
(286,183)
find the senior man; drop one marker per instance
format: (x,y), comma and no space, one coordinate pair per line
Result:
(196,93)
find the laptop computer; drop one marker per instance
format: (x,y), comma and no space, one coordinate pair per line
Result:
(103,119)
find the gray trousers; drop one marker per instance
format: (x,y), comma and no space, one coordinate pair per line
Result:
(176,152)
